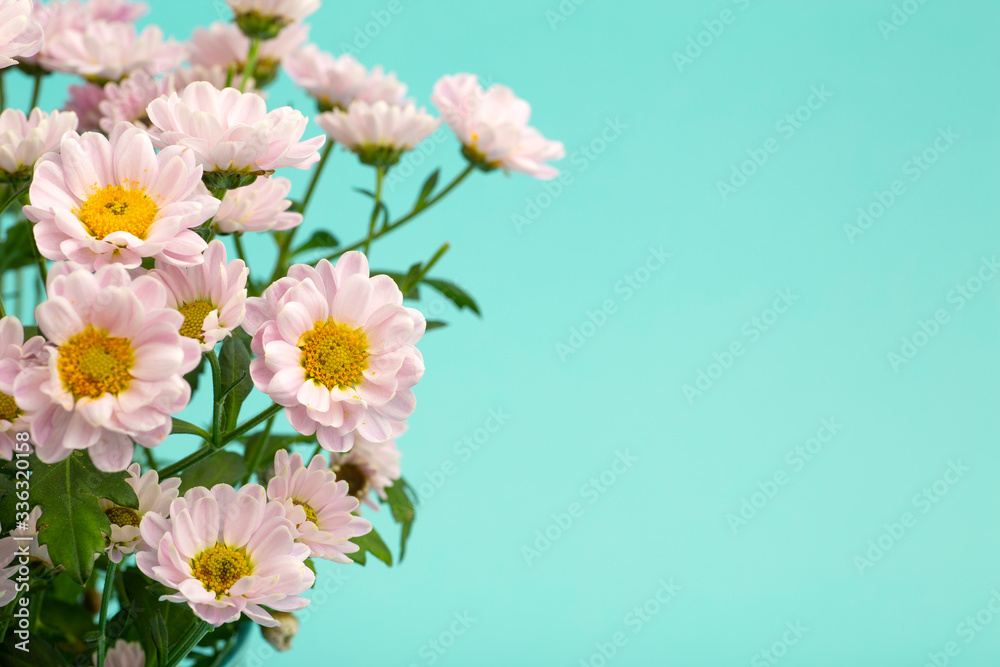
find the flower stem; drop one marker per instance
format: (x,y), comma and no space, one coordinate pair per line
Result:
(213,359)
(251,423)
(379,175)
(190,640)
(109,589)
(248,71)
(255,461)
(14,197)
(175,469)
(238,241)
(36,91)
(315,177)
(409,216)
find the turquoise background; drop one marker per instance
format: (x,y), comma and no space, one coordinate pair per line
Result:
(808,555)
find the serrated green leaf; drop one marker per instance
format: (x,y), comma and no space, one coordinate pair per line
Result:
(320,239)
(72,523)
(371,543)
(454,293)
(220,468)
(234,367)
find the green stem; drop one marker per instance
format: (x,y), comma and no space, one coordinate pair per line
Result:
(213,359)
(36,91)
(379,174)
(316,451)
(434,260)
(409,216)
(248,71)
(255,461)
(175,469)
(149,458)
(252,423)
(187,428)
(14,197)
(315,177)
(43,270)
(189,641)
(109,587)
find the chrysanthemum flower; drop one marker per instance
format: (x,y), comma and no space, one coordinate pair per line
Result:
(232,133)
(124,654)
(261,206)
(493,127)
(24,139)
(224,45)
(19,537)
(110,50)
(127,101)
(114,201)
(116,372)
(336,82)
(336,348)
(264,19)
(212,296)
(125,521)
(16,354)
(318,505)
(226,553)
(20,34)
(379,133)
(369,467)
(85,101)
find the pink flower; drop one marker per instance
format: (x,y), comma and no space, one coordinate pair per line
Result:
(259,207)
(212,296)
(37,552)
(226,553)
(8,567)
(379,133)
(223,45)
(12,552)
(114,201)
(85,100)
(336,348)
(127,101)
(20,34)
(24,139)
(115,373)
(110,50)
(232,131)
(283,11)
(125,521)
(318,505)
(369,467)
(336,82)
(16,354)
(124,654)
(493,127)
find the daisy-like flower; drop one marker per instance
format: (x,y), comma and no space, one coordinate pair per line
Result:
(318,505)
(336,82)
(114,201)
(378,133)
(124,654)
(24,139)
(20,34)
(153,496)
(226,553)
(16,354)
(232,134)
(8,567)
(264,19)
(369,467)
(336,348)
(110,50)
(85,101)
(493,127)
(127,101)
(211,296)
(224,45)
(115,373)
(28,535)
(261,206)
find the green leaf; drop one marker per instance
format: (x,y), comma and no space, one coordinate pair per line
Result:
(40,654)
(274,443)
(454,293)
(435,324)
(234,367)
(220,468)
(72,523)
(380,205)
(160,623)
(427,189)
(371,543)
(411,291)
(15,251)
(402,506)
(319,239)
(72,621)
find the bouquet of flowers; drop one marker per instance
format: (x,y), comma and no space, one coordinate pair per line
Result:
(128,211)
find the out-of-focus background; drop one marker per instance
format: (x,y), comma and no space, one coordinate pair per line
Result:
(733,397)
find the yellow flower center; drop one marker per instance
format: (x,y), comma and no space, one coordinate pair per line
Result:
(8,408)
(194,318)
(123,516)
(310,512)
(357,480)
(334,355)
(118,209)
(219,567)
(92,364)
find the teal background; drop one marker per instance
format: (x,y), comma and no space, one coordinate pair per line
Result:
(672,515)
